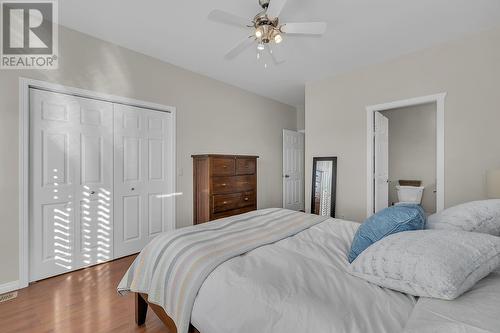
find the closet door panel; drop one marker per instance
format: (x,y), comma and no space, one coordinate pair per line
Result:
(142,188)
(92,159)
(70,169)
(95,188)
(53,120)
(128,180)
(156,214)
(160,190)
(57,235)
(132,218)
(156,164)
(131,159)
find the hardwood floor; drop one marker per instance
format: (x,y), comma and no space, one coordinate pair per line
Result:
(84,301)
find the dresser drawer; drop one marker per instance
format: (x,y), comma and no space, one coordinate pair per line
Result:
(223,166)
(246,166)
(233,212)
(223,185)
(225,202)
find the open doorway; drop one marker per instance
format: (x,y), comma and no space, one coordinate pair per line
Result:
(406,154)
(411,156)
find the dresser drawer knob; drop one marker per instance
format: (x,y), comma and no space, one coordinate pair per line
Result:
(246,199)
(224,166)
(224,185)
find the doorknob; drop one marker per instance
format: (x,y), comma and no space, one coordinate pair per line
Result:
(132,189)
(92,192)
(287,176)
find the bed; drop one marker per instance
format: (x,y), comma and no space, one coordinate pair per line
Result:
(295,281)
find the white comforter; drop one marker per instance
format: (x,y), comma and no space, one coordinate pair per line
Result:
(299,284)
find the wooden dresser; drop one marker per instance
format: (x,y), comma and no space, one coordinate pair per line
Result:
(223,185)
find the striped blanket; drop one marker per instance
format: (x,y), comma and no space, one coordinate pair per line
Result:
(172,268)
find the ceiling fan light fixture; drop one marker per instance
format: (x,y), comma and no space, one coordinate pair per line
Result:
(259,32)
(261,47)
(278,38)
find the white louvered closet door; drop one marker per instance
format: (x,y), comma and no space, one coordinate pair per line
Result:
(143,177)
(71,183)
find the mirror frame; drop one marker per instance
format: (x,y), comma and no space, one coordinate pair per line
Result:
(333,159)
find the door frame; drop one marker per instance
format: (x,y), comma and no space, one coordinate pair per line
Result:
(24,154)
(439,99)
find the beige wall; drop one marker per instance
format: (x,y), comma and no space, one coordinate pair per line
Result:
(211,117)
(301,118)
(412,150)
(468,69)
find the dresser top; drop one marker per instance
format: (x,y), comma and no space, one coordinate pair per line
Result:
(223,155)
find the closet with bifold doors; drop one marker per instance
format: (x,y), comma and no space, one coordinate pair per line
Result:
(101,180)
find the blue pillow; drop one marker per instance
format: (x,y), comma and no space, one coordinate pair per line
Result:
(388,221)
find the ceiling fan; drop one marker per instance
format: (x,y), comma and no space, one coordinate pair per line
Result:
(267,30)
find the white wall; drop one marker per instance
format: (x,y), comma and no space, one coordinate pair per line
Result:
(212,117)
(468,69)
(412,150)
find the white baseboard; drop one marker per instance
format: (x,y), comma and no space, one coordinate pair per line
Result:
(8,287)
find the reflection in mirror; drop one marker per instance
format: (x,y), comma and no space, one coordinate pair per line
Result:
(324,184)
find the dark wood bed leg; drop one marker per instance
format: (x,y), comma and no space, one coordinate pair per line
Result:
(141,309)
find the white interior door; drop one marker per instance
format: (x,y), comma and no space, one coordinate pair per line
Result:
(71,183)
(144,187)
(293,170)
(381,172)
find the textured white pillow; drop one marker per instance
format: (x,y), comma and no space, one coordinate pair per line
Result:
(477,216)
(429,263)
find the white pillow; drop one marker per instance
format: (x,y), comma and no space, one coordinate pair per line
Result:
(430,263)
(477,216)
(475,311)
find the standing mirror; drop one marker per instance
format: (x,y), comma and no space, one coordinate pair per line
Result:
(324,186)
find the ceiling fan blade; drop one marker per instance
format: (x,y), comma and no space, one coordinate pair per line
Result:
(275,8)
(238,49)
(275,54)
(309,28)
(228,18)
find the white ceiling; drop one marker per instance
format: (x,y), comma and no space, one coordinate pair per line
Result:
(360,32)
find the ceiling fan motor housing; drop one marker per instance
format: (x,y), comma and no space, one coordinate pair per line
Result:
(267,26)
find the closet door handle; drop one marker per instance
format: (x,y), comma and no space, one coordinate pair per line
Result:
(92,192)
(132,189)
